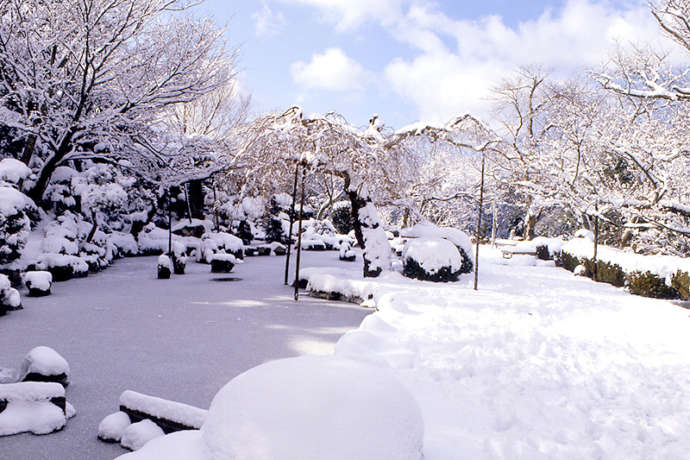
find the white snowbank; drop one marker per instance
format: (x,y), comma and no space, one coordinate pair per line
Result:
(113,427)
(184,414)
(138,434)
(432,254)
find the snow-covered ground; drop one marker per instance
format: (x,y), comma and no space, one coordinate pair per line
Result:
(179,339)
(538,364)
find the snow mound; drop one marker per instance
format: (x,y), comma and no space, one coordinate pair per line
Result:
(138,434)
(183,445)
(38,280)
(113,427)
(323,408)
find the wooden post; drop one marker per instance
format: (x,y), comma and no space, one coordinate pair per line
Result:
(595,268)
(189,206)
(169,223)
(494,224)
(479,228)
(299,236)
(215,206)
(292,221)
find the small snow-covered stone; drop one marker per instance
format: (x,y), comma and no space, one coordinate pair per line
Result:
(164,267)
(38,283)
(43,364)
(113,427)
(138,434)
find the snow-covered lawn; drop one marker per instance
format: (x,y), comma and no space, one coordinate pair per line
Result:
(537,364)
(179,339)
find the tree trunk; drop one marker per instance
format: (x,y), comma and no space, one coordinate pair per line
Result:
(530,223)
(369,233)
(92,233)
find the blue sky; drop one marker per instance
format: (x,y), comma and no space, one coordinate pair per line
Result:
(411,60)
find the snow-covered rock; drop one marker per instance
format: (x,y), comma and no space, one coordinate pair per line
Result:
(29,408)
(220,243)
(38,283)
(432,259)
(306,408)
(222,263)
(138,434)
(184,415)
(113,427)
(43,364)
(9,297)
(164,267)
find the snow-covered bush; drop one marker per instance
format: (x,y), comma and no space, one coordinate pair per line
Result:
(15,224)
(341,216)
(62,267)
(220,243)
(222,263)
(432,259)
(38,283)
(13,172)
(164,267)
(153,240)
(457,237)
(325,408)
(9,297)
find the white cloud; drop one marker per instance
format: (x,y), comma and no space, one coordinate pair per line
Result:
(333,70)
(445,80)
(267,22)
(348,14)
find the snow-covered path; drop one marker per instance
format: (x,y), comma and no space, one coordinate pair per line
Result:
(538,364)
(181,339)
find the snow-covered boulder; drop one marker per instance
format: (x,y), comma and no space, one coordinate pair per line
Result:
(278,249)
(346,254)
(222,263)
(33,407)
(113,427)
(171,416)
(455,236)
(43,364)
(305,408)
(432,259)
(164,267)
(38,283)
(138,434)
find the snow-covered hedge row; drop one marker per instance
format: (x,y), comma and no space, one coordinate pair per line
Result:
(649,276)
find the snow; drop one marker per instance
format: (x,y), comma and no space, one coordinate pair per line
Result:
(432,254)
(121,328)
(161,408)
(183,445)
(13,201)
(14,299)
(51,260)
(138,434)
(206,224)
(586,234)
(214,242)
(31,391)
(536,364)
(45,361)
(315,413)
(125,243)
(113,427)
(224,258)
(554,244)
(38,280)
(13,171)
(4,283)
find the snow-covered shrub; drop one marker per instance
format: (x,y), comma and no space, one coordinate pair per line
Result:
(60,192)
(153,240)
(124,243)
(15,224)
(244,232)
(220,243)
(341,216)
(346,254)
(432,259)
(648,284)
(38,283)
(13,172)
(179,259)
(164,267)
(278,249)
(222,263)
(43,364)
(63,267)
(681,283)
(9,297)
(457,237)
